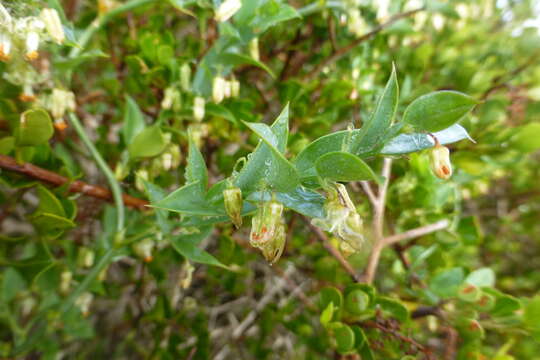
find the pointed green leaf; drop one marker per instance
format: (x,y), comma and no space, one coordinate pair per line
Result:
(35,128)
(375,128)
(196,167)
(408,143)
(187,246)
(149,142)
(189,200)
(343,166)
(133,120)
(438,110)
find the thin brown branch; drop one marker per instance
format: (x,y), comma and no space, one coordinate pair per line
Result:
(369,192)
(333,251)
(378,223)
(414,233)
(346,49)
(35,172)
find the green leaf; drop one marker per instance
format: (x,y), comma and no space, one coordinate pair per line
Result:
(189,200)
(49,203)
(327,314)
(356,302)
(12,283)
(267,164)
(133,120)
(446,283)
(35,128)
(330,295)
(438,110)
(220,111)
(344,337)
(149,142)
(196,167)
(342,166)
(531,313)
(393,308)
(7,144)
(155,194)
(527,138)
(261,15)
(373,131)
(234,59)
(186,245)
(408,143)
(304,201)
(481,277)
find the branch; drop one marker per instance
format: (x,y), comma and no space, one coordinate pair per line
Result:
(332,250)
(414,233)
(378,223)
(35,172)
(344,50)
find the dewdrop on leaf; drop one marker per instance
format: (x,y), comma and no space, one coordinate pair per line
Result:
(227,9)
(53,25)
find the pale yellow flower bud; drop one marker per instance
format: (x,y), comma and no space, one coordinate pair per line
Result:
(198,108)
(53,25)
(440,162)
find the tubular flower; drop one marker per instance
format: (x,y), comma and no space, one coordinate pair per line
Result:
(341,218)
(268,230)
(198,108)
(233,204)
(5,47)
(218,89)
(440,162)
(227,9)
(53,25)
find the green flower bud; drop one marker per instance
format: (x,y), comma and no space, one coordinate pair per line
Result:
(83,302)
(65,281)
(144,248)
(440,162)
(254,49)
(85,257)
(273,249)
(185,77)
(233,204)
(265,222)
(469,293)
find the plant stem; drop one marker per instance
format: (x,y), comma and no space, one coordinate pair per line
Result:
(378,223)
(115,187)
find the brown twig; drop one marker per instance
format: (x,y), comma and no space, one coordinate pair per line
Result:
(378,223)
(33,171)
(414,233)
(344,50)
(333,251)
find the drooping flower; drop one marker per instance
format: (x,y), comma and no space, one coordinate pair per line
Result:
(5,47)
(232,197)
(53,25)
(198,108)
(341,217)
(227,9)
(440,162)
(268,230)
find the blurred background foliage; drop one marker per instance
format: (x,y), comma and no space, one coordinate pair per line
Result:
(136,67)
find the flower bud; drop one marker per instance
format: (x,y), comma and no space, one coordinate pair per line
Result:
(227,89)
(5,46)
(440,162)
(356,23)
(85,257)
(83,302)
(28,93)
(233,204)
(53,25)
(254,49)
(227,9)
(218,89)
(65,281)
(32,45)
(198,108)
(265,222)
(144,248)
(140,175)
(61,101)
(185,77)
(273,249)
(235,88)
(167,161)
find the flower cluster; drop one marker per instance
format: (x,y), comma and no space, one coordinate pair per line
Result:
(222,88)
(341,219)
(268,230)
